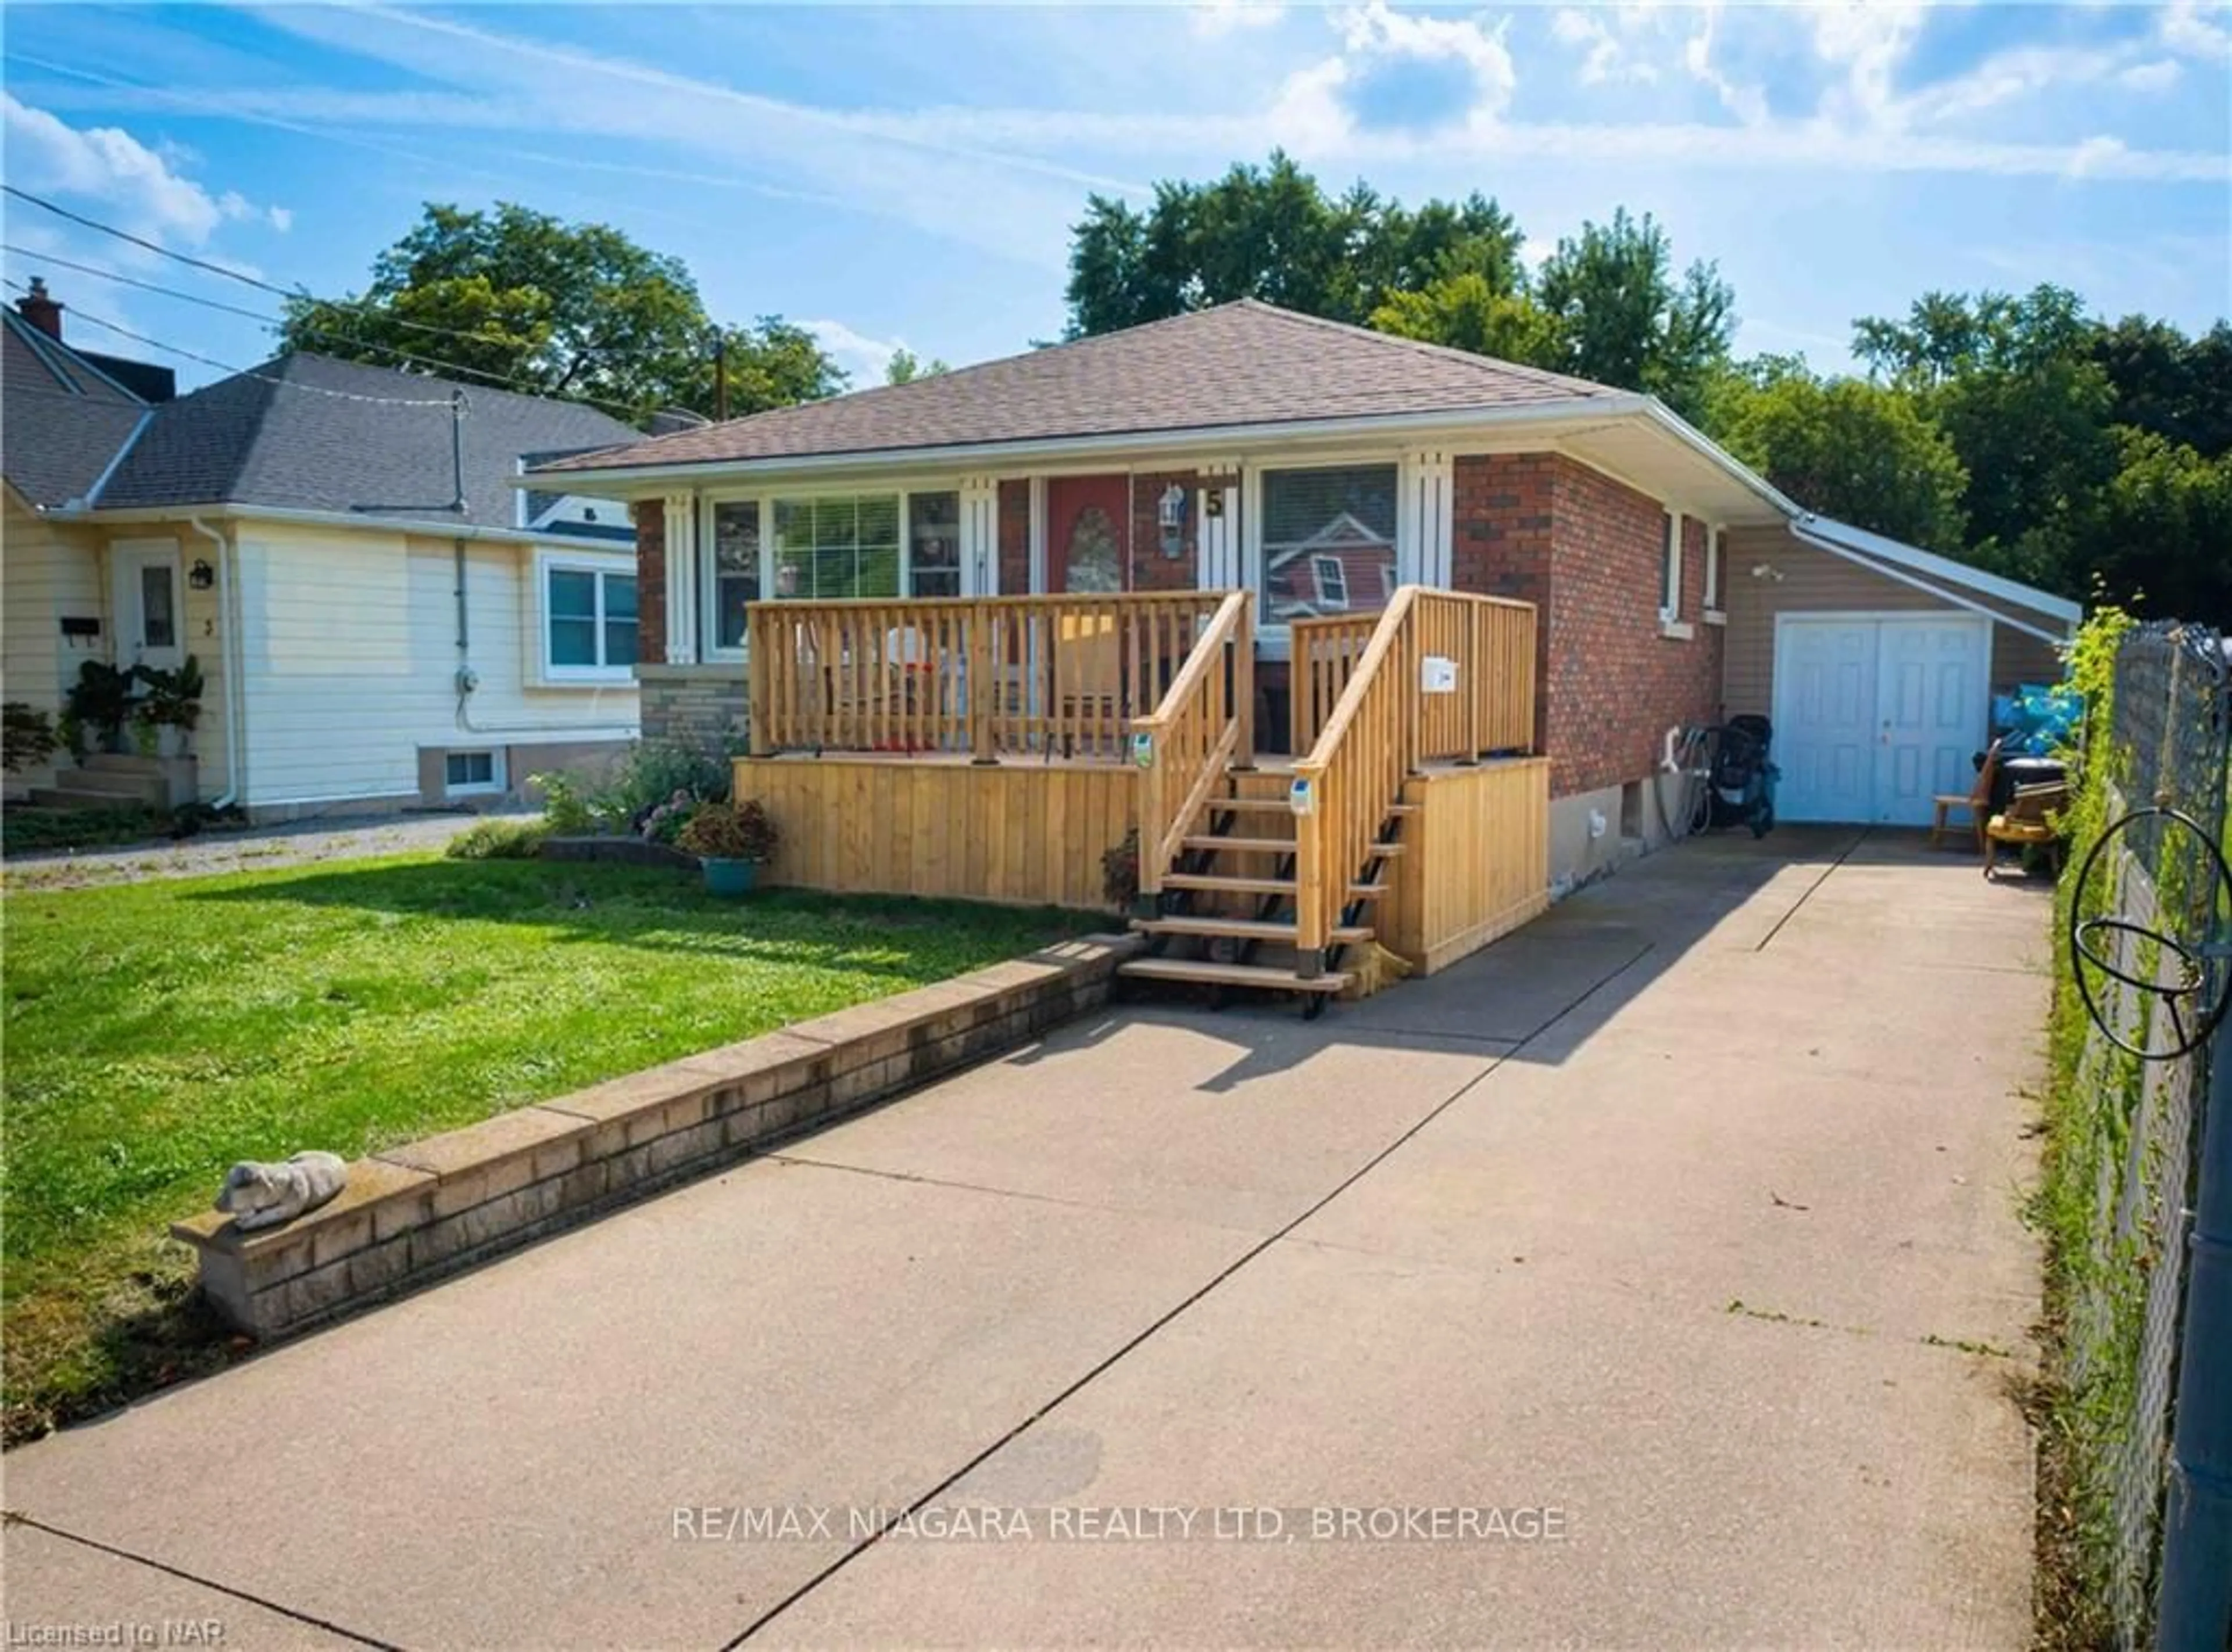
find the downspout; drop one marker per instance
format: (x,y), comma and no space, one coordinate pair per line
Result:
(233,655)
(468,680)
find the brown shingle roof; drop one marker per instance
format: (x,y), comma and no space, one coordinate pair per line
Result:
(1243,363)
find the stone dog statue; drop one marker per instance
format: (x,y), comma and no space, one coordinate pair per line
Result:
(263,1195)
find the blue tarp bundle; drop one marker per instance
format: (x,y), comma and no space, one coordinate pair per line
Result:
(2035,720)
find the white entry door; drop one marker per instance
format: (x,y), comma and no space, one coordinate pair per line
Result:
(1875,715)
(149,606)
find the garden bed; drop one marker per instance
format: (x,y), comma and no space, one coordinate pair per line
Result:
(157,1032)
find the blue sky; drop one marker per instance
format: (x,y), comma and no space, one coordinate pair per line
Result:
(908,175)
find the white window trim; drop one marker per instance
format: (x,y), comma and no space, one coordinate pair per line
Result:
(1319,561)
(1716,612)
(489,787)
(618,564)
(1276,641)
(1670,574)
(708,582)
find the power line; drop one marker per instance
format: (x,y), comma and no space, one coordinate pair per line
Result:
(296,295)
(495,379)
(152,246)
(243,373)
(123,280)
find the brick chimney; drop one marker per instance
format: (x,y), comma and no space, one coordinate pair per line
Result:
(41,310)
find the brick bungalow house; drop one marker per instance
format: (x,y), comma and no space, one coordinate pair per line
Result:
(1320,465)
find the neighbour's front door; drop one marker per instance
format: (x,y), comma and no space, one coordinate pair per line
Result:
(150,606)
(1086,519)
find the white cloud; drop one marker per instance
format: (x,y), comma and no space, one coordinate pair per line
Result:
(109,165)
(1214,19)
(1866,41)
(1747,103)
(1634,40)
(2158,76)
(281,219)
(2098,156)
(863,357)
(1378,30)
(2189,27)
(1607,56)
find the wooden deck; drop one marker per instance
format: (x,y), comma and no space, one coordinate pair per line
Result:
(1000,749)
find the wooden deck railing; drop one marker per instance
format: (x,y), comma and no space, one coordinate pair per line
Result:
(1325,655)
(1206,719)
(994,676)
(1490,640)
(1443,675)
(1489,644)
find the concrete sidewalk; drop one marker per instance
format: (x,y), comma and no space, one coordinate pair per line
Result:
(1682,1223)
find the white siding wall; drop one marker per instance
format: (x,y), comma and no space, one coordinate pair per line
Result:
(352,651)
(45,572)
(49,571)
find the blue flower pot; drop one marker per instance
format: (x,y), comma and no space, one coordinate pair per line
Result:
(730,877)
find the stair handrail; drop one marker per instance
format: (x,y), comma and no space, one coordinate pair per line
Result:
(1204,719)
(1344,788)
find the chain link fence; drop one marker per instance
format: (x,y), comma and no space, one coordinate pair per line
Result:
(2144,919)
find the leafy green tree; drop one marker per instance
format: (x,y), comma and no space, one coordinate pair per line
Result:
(904,367)
(1273,233)
(1622,317)
(2178,387)
(576,311)
(1466,312)
(773,363)
(1861,452)
(2164,535)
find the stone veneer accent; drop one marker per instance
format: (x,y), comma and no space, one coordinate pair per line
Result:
(416,1213)
(699,706)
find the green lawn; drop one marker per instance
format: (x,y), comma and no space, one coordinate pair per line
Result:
(157,1032)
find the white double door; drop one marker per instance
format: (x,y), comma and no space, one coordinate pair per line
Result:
(1876,715)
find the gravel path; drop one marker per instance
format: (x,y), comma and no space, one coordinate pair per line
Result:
(255,850)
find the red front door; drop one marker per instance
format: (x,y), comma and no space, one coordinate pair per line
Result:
(1087,522)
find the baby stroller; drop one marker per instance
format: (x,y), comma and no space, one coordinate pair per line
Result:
(1741,788)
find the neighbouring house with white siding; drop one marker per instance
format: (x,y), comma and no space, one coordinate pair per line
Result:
(382,619)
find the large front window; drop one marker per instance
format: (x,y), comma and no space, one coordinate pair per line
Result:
(1328,540)
(934,544)
(589,619)
(736,567)
(837,546)
(824,548)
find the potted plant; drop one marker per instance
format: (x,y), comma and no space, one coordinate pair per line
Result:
(169,711)
(731,841)
(100,703)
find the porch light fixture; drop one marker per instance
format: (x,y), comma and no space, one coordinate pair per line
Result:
(201,576)
(1170,513)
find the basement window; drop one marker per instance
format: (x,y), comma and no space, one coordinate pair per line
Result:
(466,772)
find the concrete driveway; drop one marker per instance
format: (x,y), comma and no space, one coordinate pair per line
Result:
(1653,1279)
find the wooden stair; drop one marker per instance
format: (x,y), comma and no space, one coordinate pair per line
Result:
(1234,974)
(1227,921)
(1274,930)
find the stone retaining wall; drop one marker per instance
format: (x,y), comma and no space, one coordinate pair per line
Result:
(415,1213)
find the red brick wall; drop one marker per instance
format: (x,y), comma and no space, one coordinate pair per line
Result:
(1015,539)
(1502,510)
(1614,684)
(1151,569)
(650,581)
(1585,550)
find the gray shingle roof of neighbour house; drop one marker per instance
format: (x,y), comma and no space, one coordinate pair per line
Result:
(308,432)
(1243,363)
(61,419)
